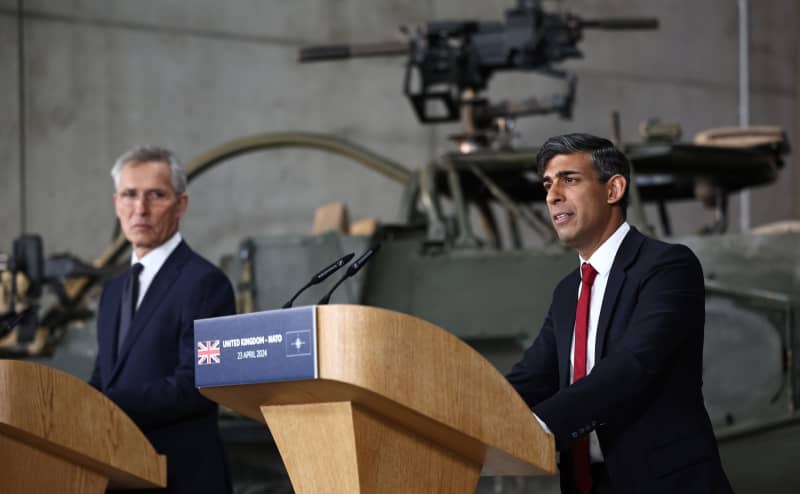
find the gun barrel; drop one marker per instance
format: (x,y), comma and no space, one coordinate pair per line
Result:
(622,24)
(322,53)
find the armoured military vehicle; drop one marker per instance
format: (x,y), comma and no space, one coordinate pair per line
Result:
(473,253)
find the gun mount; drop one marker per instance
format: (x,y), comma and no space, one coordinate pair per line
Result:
(450,64)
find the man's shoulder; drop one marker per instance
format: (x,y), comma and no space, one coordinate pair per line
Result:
(654,255)
(196,259)
(659,249)
(199,265)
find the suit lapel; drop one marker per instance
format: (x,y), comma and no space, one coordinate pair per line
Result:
(565,323)
(155,295)
(108,323)
(625,256)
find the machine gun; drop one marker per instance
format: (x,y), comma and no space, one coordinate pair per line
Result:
(23,276)
(450,63)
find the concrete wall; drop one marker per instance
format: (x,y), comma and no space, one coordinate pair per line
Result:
(103,75)
(10,185)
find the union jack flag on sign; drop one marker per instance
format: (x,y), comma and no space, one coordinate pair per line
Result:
(207,352)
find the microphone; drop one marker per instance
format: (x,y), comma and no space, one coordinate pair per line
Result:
(321,276)
(351,271)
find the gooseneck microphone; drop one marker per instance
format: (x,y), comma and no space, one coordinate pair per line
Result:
(351,271)
(321,276)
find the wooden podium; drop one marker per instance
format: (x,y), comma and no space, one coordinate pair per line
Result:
(400,406)
(58,434)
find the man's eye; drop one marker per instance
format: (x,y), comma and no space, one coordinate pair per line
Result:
(128,194)
(156,195)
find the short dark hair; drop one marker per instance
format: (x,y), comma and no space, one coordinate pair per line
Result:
(607,159)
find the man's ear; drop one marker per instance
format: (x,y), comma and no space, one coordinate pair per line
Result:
(615,188)
(183,203)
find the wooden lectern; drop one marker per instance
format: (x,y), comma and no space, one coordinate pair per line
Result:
(58,434)
(400,406)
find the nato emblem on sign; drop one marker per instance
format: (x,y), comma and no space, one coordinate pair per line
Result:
(298,343)
(269,346)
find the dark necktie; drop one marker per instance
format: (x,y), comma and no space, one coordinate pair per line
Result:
(130,295)
(580,451)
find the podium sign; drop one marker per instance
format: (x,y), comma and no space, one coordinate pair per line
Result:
(269,346)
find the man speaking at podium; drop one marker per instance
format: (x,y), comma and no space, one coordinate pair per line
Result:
(145,330)
(617,377)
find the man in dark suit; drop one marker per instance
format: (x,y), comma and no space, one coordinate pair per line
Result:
(145,331)
(617,376)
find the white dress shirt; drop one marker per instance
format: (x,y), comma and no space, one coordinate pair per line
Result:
(152,262)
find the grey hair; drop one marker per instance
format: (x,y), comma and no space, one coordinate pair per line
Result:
(141,154)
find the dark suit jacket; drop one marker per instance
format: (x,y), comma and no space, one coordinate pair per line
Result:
(152,379)
(643,396)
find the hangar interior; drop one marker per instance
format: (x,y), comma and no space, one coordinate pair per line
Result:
(81,81)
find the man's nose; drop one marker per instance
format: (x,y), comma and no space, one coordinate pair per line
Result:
(141,205)
(554,195)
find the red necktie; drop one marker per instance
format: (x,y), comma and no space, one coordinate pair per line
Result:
(580,451)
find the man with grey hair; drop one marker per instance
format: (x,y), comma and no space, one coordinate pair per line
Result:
(145,323)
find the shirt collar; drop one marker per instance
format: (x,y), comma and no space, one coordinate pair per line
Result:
(602,259)
(153,260)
